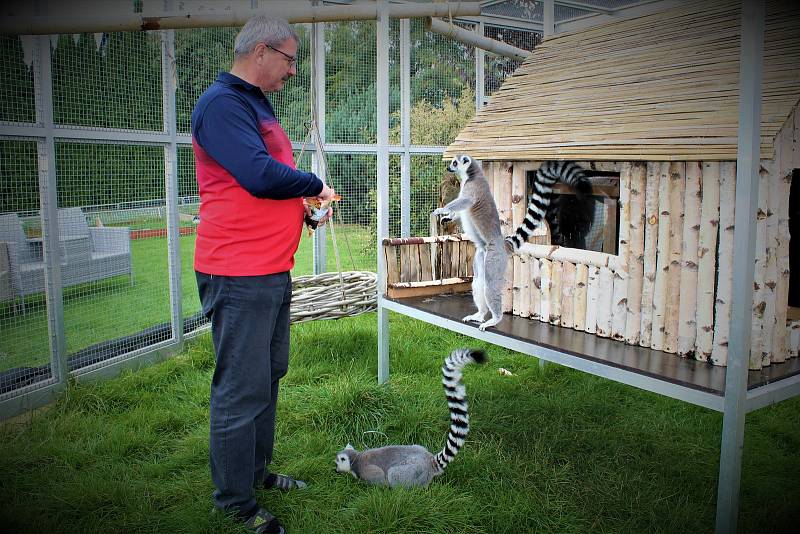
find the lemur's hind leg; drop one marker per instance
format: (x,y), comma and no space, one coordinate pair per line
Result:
(478,287)
(494,276)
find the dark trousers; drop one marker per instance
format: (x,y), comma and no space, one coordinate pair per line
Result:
(250,329)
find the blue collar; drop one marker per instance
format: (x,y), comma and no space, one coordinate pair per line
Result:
(230,79)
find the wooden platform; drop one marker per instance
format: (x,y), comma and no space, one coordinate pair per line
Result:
(658,365)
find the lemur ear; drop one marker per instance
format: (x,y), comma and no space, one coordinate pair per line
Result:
(350,447)
(466,160)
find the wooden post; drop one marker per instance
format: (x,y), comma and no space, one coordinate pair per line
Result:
(556,270)
(759,271)
(650,246)
(567,293)
(794,339)
(635,253)
(722,310)
(662,258)
(707,260)
(579,307)
(687,326)
(592,294)
(619,305)
(525,285)
(604,297)
(516,284)
(780,211)
(518,206)
(536,292)
(620,295)
(503,172)
(544,313)
(677,174)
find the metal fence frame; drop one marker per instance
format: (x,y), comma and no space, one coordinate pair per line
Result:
(46,133)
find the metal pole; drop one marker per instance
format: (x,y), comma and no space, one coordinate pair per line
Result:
(405,128)
(320,237)
(48,200)
(83,20)
(747,173)
(382,43)
(169,86)
(480,74)
(549,17)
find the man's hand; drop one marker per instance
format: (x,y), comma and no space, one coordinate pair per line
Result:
(317,209)
(327,193)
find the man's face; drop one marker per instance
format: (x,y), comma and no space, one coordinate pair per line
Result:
(277,64)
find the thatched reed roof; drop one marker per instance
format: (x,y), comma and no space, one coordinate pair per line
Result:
(657,87)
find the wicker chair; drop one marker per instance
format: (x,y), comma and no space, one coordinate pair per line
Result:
(87,254)
(92,253)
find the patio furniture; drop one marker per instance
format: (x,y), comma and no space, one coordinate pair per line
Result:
(87,254)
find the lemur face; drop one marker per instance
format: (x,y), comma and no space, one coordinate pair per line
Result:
(459,165)
(342,463)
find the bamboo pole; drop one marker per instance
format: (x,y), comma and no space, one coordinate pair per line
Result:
(604,297)
(677,174)
(635,253)
(722,310)
(536,291)
(687,326)
(592,294)
(544,313)
(759,272)
(581,286)
(707,259)
(556,270)
(293,12)
(650,246)
(567,294)
(662,258)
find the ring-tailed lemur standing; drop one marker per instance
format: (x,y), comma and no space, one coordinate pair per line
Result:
(480,220)
(414,465)
(571,217)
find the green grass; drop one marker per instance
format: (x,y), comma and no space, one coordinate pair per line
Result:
(114,308)
(551,450)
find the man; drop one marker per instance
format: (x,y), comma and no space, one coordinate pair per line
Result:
(251,217)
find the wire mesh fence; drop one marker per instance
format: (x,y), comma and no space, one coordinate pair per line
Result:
(111,143)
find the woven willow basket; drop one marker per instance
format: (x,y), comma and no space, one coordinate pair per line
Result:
(327,296)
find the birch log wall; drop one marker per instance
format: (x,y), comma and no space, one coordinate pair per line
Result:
(669,287)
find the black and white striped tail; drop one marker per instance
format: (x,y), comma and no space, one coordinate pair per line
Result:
(548,174)
(456,395)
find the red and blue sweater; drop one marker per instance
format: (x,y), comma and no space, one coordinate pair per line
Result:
(251,208)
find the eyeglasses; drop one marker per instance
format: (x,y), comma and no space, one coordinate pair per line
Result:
(291,59)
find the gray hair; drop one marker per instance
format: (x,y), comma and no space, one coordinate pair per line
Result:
(262,29)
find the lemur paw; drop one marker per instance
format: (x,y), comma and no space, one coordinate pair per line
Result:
(443,213)
(487,324)
(475,317)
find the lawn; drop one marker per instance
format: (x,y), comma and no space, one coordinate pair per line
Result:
(551,450)
(107,310)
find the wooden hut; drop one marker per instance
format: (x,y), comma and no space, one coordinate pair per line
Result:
(654,99)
